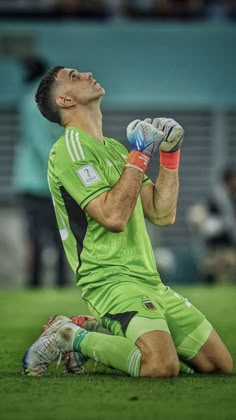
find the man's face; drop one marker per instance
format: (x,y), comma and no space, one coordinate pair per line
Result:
(80,87)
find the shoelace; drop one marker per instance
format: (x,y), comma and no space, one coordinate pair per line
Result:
(61,354)
(48,351)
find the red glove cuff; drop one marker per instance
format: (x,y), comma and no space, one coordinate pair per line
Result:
(170,160)
(138,160)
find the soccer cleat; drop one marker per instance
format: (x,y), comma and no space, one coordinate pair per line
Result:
(80,320)
(53,344)
(54,323)
(74,362)
(37,358)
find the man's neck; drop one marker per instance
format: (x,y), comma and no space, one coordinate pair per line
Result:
(88,120)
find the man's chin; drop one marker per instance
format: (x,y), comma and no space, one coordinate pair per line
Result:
(99,95)
(102,93)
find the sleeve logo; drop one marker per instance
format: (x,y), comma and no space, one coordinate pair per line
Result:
(88,175)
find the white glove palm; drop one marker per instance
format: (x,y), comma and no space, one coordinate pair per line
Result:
(173,133)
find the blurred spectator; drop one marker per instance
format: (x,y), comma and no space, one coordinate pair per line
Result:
(215,224)
(24,8)
(221,9)
(137,9)
(37,135)
(116,8)
(105,9)
(89,9)
(178,9)
(165,9)
(55,9)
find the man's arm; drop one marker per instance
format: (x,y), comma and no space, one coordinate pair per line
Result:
(113,209)
(159,200)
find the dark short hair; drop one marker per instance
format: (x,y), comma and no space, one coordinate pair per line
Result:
(43,96)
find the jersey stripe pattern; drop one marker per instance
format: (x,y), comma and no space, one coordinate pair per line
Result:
(73,145)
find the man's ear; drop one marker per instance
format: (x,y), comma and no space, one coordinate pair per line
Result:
(64,101)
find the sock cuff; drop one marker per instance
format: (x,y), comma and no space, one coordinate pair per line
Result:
(79,336)
(135,363)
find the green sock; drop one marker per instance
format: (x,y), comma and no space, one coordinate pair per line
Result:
(183,368)
(95,326)
(112,351)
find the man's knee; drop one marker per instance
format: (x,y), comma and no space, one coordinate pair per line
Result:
(213,357)
(153,368)
(227,366)
(224,366)
(159,357)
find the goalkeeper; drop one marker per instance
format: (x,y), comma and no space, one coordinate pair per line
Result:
(101,196)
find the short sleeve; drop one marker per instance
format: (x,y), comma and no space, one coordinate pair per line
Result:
(84,181)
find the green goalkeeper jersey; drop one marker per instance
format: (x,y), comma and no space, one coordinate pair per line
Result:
(80,169)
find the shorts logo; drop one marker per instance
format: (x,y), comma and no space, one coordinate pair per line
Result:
(149,305)
(88,175)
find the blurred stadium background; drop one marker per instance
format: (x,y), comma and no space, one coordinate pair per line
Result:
(154,58)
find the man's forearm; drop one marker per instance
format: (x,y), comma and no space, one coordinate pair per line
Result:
(160,200)
(165,196)
(121,200)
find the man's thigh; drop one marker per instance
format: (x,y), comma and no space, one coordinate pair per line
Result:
(213,356)
(126,308)
(188,326)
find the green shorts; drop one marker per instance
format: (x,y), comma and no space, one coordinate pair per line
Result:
(131,308)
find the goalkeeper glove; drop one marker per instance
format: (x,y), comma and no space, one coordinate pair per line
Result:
(173,137)
(144,139)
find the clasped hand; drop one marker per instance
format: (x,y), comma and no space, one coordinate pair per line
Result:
(149,135)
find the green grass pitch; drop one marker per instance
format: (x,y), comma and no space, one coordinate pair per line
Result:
(107,394)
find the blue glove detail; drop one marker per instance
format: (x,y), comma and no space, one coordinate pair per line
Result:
(144,137)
